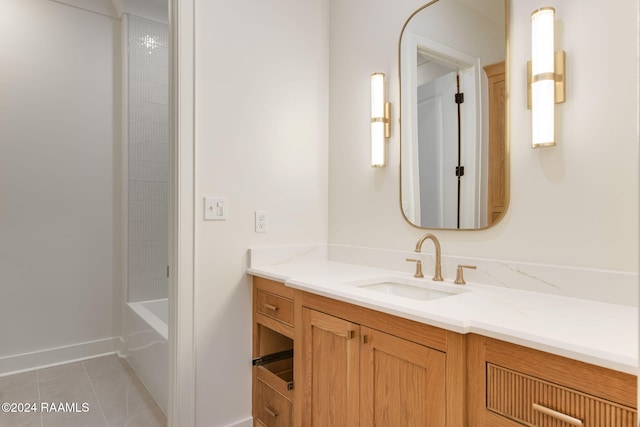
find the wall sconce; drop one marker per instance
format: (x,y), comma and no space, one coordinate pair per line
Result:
(380,120)
(546,72)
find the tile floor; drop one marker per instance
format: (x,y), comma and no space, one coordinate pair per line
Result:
(107,386)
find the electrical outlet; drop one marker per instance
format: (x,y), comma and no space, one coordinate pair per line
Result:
(261,221)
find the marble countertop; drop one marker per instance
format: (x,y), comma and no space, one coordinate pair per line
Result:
(599,333)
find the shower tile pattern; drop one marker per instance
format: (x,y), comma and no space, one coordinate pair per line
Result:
(148,152)
(113,394)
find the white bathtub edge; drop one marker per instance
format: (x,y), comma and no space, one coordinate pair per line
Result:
(147,351)
(157,324)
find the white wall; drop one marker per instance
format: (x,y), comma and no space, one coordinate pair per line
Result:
(57,178)
(575,204)
(261,141)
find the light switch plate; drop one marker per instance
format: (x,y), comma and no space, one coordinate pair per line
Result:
(215,208)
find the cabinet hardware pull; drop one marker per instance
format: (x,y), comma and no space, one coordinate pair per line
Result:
(270,411)
(365,339)
(351,334)
(558,415)
(271,307)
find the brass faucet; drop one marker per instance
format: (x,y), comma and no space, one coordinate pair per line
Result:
(418,274)
(460,275)
(437,277)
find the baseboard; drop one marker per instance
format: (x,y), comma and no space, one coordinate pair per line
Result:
(245,423)
(55,356)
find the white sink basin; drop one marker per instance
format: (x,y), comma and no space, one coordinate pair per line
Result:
(409,289)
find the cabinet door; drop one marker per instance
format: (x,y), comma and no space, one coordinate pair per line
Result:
(331,375)
(403,383)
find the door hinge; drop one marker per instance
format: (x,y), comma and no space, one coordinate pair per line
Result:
(459,98)
(459,170)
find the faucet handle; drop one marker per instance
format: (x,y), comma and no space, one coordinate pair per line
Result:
(459,274)
(418,262)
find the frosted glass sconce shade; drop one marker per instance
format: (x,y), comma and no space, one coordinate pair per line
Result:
(380,120)
(546,77)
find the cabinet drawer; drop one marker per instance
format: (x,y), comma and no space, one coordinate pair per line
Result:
(278,375)
(274,306)
(272,408)
(536,402)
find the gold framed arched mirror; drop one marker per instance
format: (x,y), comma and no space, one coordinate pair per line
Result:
(454,149)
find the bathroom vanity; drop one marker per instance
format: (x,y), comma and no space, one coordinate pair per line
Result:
(333,348)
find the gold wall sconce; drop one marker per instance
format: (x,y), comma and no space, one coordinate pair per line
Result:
(546,77)
(380,120)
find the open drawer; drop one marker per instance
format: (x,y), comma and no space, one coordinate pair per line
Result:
(276,370)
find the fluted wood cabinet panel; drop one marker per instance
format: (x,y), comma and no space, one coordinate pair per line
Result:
(510,385)
(523,398)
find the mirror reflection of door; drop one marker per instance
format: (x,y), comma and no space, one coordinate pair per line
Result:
(437,124)
(448,141)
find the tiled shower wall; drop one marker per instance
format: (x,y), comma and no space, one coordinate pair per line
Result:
(148,153)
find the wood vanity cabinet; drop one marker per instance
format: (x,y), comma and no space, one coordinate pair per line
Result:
(511,386)
(323,362)
(273,333)
(351,366)
(366,368)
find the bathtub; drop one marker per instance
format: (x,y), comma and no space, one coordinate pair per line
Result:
(147,348)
